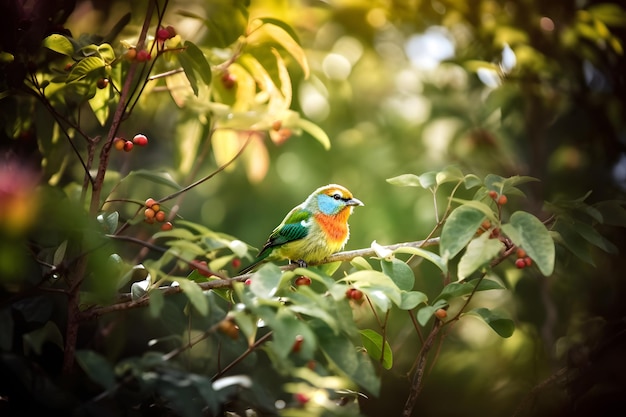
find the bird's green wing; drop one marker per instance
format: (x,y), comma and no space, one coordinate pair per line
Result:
(293,227)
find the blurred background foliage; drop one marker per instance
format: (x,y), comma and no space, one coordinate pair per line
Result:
(508,87)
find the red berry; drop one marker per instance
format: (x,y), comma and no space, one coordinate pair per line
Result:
(102,83)
(495,233)
(163,34)
(159,215)
(441,314)
(171,31)
(68,67)
(302,280)
(521,253)
(167,226)
(528,261)
(297,345)
(277,125)
(150,202)
(236,263)
(493,194)
(228,80)
(149,213)
(502,200)
(140,140)
(128,146)
(486,224)
(156,207)
(143,56)
(118,143)
(248,281)
(357,295)
(301,398)
(520,263)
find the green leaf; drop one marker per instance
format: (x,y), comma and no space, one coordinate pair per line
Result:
(459,229)
(344,355)
(195,64)
(479,251)
(612,212)
(449,174)
(162,178)
(372,342)
(411,299)
(471,181)
(286,329)
(527,231)
(426,254)
(85,67)
(35,340)
(285,36)
(226,22)
(59,253)
(501,324)
(428,179)
(405,180)
(195,295)
(360,263)
(399,272)
(99,104)
(378,286)
(156,302)
(96,367)
(265,281)
(425,313)
(59,43)
(315,131)
(109,222)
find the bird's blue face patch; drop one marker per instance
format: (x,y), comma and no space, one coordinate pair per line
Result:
(329,205)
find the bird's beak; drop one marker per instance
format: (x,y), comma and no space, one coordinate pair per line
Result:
(354,202)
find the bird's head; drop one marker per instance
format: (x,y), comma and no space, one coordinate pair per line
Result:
(332,199)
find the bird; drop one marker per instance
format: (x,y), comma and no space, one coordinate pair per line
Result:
(311,231)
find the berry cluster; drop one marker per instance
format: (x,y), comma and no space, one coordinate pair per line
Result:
(523,260)
(122,144)
(500,199)
(153,213)
(165,33)
(485,226)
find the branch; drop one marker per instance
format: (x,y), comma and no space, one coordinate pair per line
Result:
(125,301)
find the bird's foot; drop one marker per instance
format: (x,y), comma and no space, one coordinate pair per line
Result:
(300,263)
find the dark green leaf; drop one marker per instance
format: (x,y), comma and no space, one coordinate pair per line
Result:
(411,299)
(372,342)
(459,229)
(162,178)
(286,329)
(399,272)
(346,357)
(96,367)
(156,302)
(501,324)
(195,295)
(527,231)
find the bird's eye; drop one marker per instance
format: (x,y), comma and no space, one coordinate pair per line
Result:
(336,196)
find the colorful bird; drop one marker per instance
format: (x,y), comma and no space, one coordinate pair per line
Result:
(313,230)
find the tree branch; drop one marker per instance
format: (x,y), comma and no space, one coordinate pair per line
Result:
(125,301)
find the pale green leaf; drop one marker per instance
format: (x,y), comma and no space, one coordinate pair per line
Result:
(195,295)
(527,232)
(59,43)
(315,131)
(459,229)
(480,251)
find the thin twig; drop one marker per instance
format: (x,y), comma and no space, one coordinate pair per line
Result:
(241,357)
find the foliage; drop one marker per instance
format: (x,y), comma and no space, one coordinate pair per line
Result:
(115,295)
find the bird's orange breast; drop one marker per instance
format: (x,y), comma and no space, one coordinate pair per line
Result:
(335,227)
